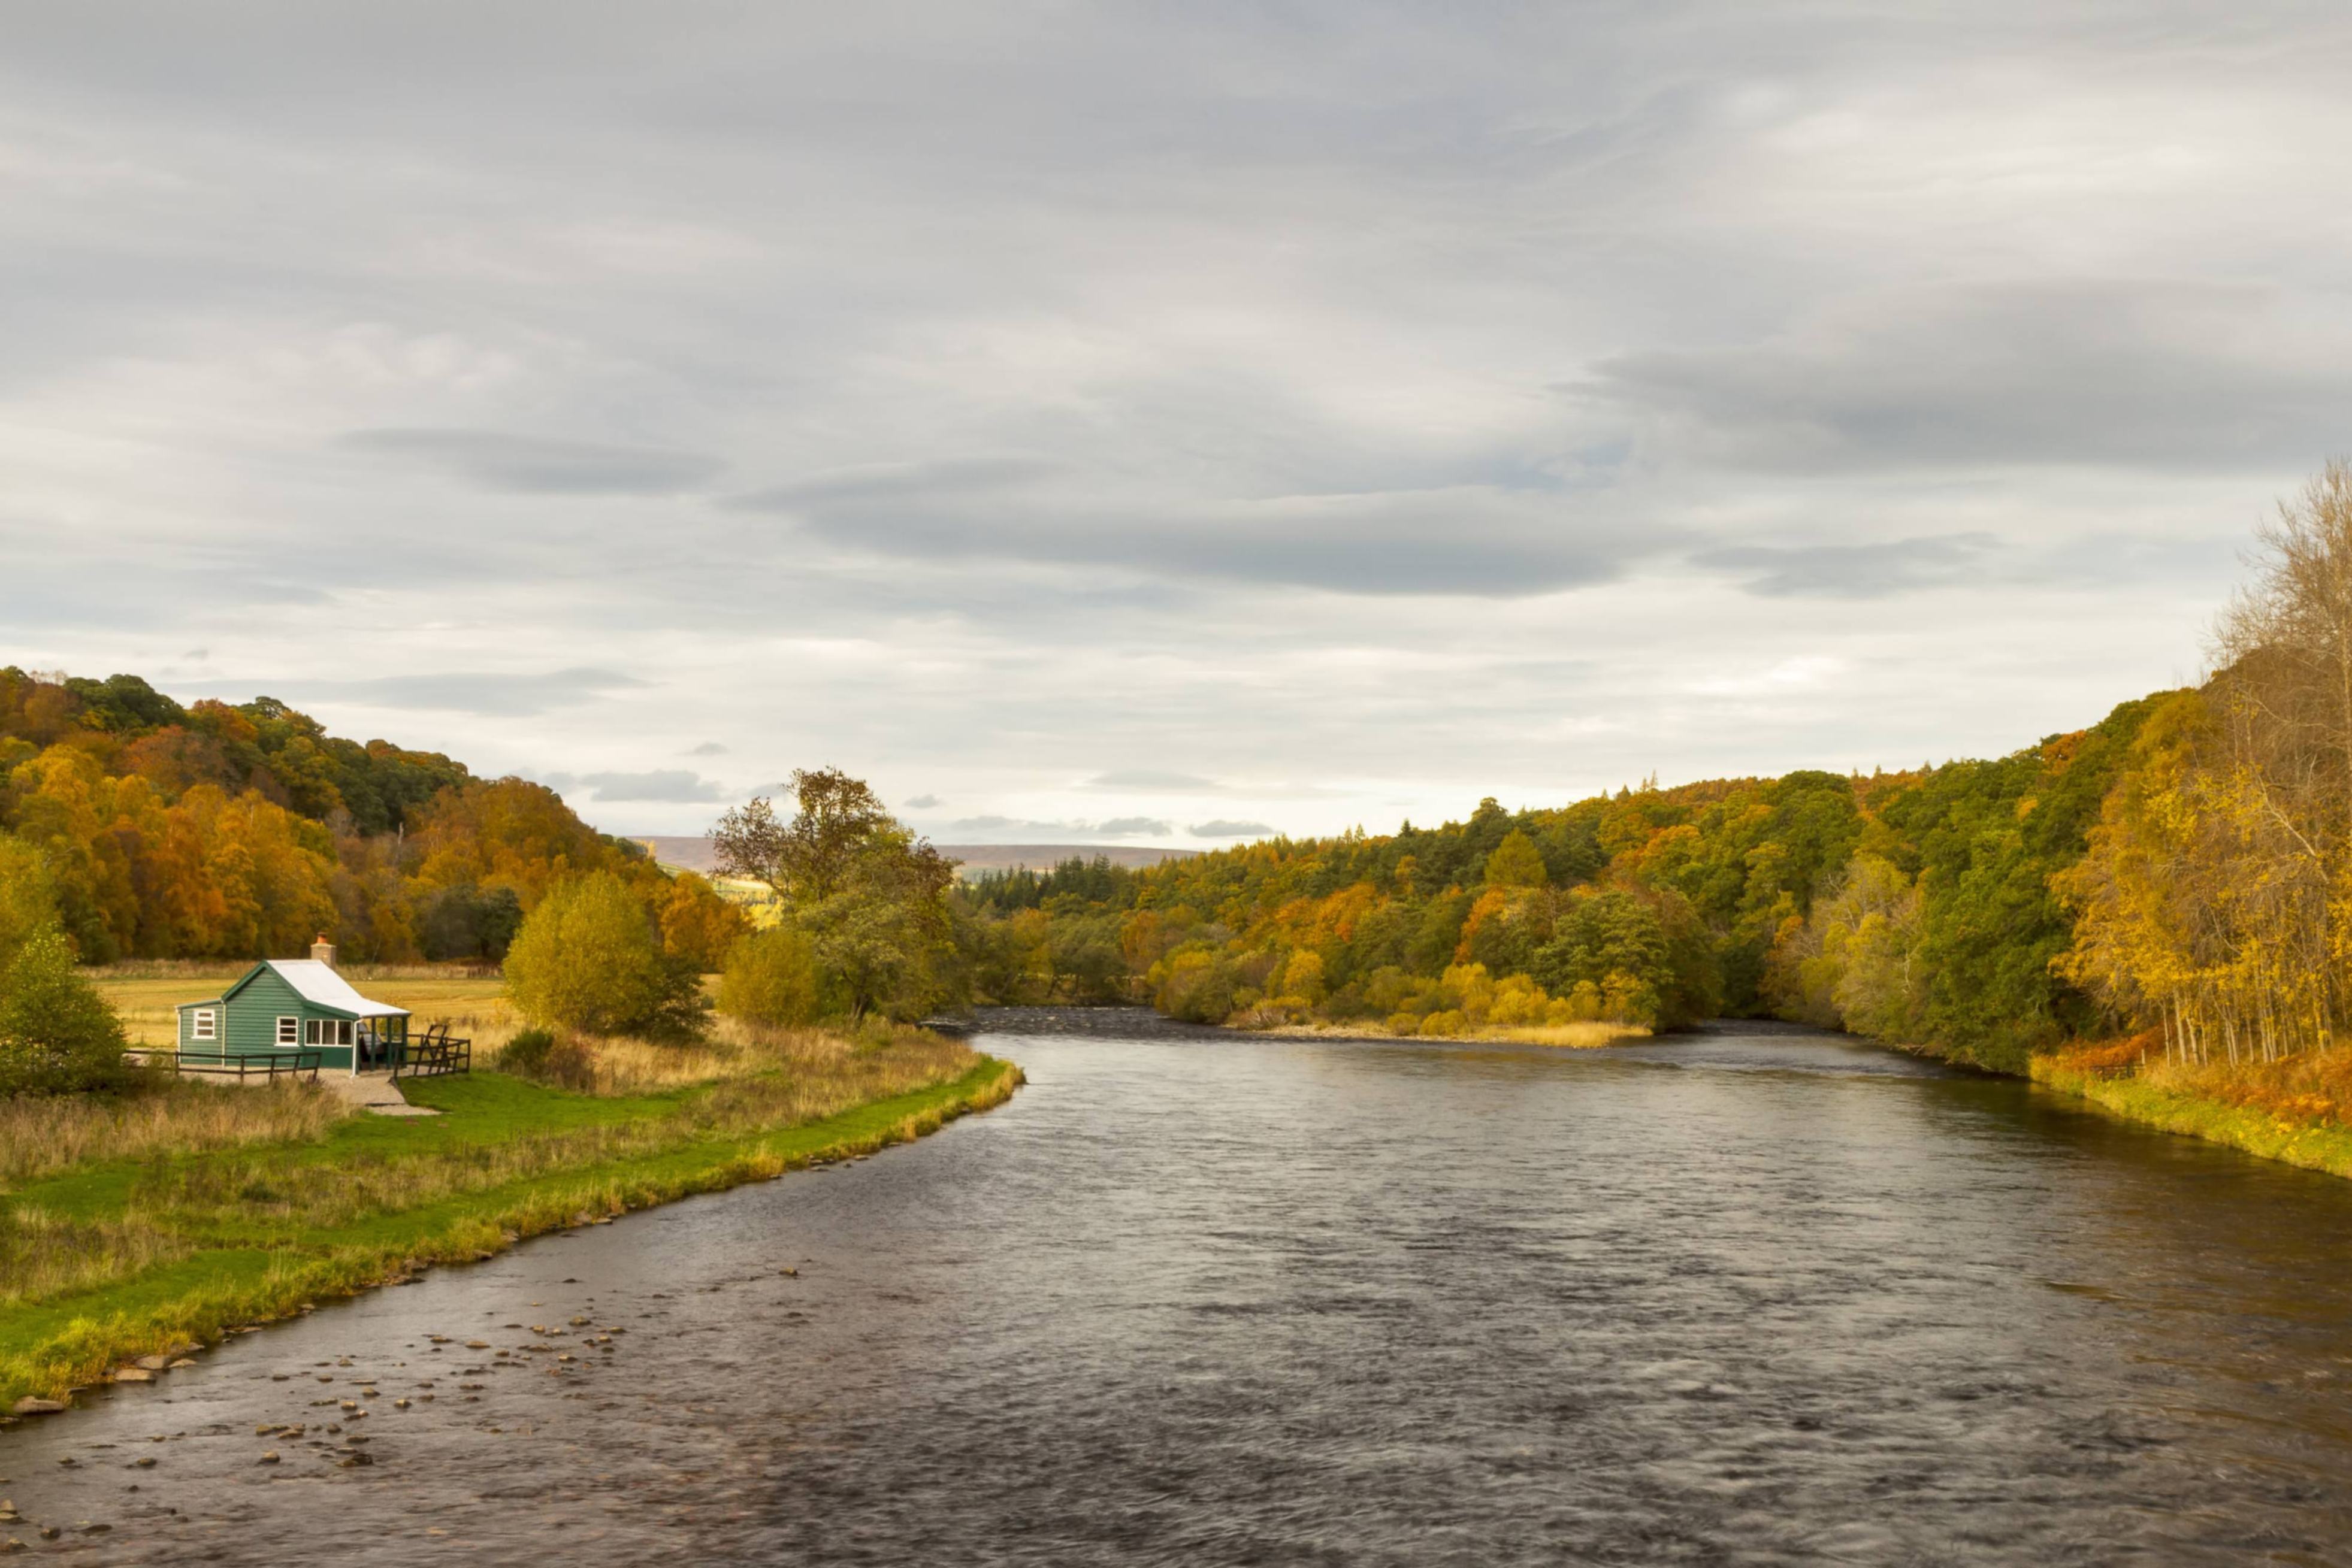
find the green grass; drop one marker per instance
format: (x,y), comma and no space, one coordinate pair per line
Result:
(2252,1129)
(255,1232)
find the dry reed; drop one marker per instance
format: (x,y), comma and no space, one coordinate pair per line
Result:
(41,1135)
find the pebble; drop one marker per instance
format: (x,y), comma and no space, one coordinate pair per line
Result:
(268,1458)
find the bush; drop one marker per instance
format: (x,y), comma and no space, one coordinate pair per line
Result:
(590,958)
(57,1033)
(541,1056)
(772,977)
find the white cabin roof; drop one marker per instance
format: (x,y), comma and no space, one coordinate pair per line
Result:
(317,982)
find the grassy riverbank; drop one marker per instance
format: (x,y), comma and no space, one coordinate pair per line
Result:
(2283,1111)
(179,1214)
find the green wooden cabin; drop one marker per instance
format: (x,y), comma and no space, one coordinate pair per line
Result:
(296,1004)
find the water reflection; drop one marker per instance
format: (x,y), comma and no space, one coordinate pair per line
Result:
(1749,1296)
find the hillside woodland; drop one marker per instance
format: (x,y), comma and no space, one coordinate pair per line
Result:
(2173,880)
(212,831)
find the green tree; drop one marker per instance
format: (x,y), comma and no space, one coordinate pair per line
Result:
(870,896)
(590,958)
(57,1033)
(1517,862)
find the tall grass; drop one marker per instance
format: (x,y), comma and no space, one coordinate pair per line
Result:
(157,1117)
(733,1049)
(43,1253)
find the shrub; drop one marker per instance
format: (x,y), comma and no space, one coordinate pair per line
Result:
(540,1055)
(772,977)
(590,958)
(57,1033)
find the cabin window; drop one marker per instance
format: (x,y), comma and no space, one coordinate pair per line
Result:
(327,1031)
(289,1031)
(201,1026)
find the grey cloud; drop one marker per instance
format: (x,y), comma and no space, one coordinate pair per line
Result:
(1488,541)
(1854,571)
(707,749)
(2107,370)
(891,481)
(670,785)
(1152,778)
(535,466)
(480,692)
(922,802)
(996,827)
(1223,829)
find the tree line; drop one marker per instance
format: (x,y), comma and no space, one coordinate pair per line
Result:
(2179,873)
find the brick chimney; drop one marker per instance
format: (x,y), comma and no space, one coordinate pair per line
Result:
(323,951)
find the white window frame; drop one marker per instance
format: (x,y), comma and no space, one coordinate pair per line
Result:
(327,1031)
(289,1029)
(202,1025)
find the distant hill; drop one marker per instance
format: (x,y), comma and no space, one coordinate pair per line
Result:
(696,854)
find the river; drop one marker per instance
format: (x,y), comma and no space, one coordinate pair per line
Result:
(1749,1295)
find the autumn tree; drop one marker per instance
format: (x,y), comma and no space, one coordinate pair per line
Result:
(871,894)
(590,958)
(772,977)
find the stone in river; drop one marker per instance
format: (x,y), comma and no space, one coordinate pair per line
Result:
(268,1458)
(29,1405)
(153,1362)
(133,1374)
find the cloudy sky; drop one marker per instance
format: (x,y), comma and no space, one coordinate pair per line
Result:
(1161,424)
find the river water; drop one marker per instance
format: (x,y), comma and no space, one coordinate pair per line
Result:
(1750,1295)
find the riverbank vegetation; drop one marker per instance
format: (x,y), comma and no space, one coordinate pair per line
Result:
(169,1213)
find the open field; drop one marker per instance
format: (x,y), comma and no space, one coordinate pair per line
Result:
(474,1005)
(130,1226)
